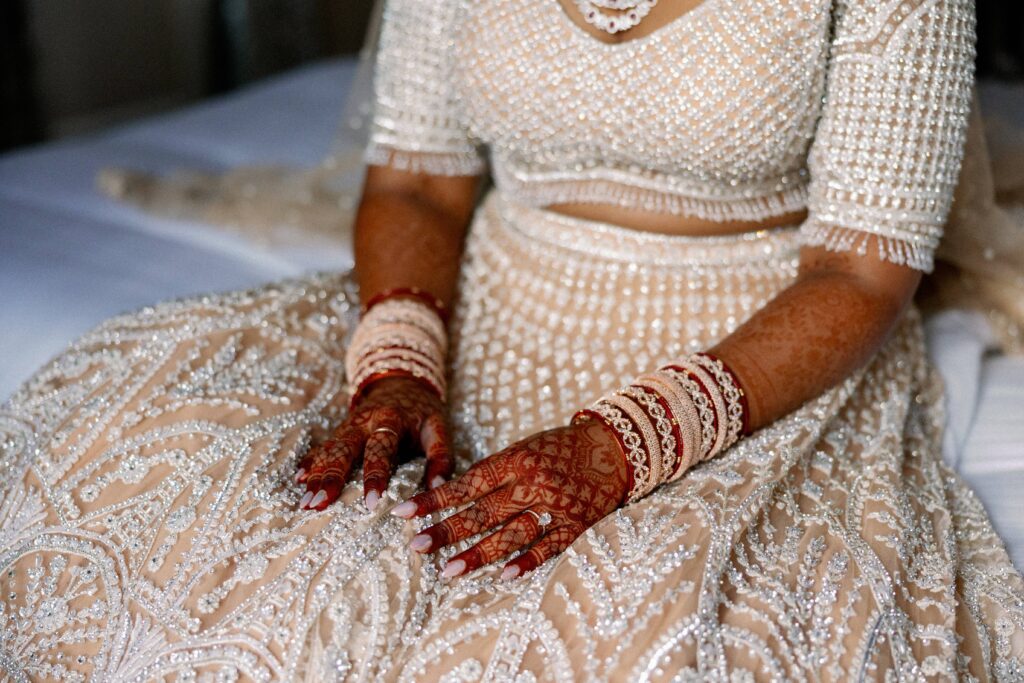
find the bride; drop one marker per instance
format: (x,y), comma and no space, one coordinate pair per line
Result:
(669,386)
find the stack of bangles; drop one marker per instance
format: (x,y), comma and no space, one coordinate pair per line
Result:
(669,420)
(401,333)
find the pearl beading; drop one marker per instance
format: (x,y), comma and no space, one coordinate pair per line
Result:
(736,111)
(151,529)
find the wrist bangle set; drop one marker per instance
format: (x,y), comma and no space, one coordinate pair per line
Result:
(398,336)
(671,419)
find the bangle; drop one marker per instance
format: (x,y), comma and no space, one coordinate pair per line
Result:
(386,374)
(651,445)
(662,422)
(707,385)
(701,404)
(669,420)
(731,383)
(401,314)
(418,293)
(636,458)
(397,337)
(683,415)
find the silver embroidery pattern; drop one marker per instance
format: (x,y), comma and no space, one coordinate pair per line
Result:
(149,526)
(855,110)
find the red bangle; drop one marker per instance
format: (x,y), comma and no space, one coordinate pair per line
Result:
(743,392)
(677,432)
(358,393)
(703,388)
(587,415)
(421,295)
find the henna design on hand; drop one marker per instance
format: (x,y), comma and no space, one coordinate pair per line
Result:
(576,474)
(389,411)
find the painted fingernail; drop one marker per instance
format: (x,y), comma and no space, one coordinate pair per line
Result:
(510,572)
(436,481)
(305,499)
(299,474)
(320,497)
(420,542)
(404,510)
(372,498)
(453,569)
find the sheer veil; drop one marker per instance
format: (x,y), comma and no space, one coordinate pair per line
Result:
(980,262)
(271,205)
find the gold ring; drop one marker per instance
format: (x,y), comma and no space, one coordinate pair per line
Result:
(543,518)
(386,429)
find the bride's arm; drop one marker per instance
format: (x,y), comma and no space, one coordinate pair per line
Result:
(816,332)
(409,235)
(424,169)
(883,165)
(409,231)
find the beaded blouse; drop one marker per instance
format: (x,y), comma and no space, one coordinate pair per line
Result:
(855,110)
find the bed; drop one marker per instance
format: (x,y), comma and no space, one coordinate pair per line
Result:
(70,257)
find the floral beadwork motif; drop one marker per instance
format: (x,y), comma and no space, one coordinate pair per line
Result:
(146,537)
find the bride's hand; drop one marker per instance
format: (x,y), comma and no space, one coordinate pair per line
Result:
(390,410)
(543,492)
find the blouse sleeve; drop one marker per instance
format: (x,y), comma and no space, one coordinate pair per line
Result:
(887,154)
(417,125)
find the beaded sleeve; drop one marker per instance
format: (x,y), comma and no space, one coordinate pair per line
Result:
(417,123)
(887,154)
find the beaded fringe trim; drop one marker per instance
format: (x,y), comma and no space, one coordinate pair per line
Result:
(892,249)
(737,207)
(431,163)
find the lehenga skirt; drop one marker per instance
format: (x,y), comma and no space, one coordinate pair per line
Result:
(149,527)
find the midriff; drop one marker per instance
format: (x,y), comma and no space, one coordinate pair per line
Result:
(666,224)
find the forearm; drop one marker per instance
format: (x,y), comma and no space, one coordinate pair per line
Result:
(409,231)
(817,332)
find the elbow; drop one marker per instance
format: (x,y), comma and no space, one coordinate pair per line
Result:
(452,198)
(886,288)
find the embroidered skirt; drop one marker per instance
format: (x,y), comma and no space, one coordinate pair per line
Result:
(149,530)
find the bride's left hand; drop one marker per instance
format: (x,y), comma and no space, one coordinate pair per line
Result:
(569,477)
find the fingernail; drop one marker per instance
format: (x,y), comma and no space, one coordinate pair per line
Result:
(404,510)
(372,498)
(453,569)
(420,542)
(511,572)
(299,474)
(305,499)
(320,497)
(436,481)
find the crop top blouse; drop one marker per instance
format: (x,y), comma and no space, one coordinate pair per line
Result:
(855,110)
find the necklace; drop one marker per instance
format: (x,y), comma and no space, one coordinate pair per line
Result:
(632,12)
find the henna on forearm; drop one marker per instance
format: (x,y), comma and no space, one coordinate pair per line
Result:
(408,236)
(818,331)
(409,231)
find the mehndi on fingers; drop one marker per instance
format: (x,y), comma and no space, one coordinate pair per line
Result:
(401,335)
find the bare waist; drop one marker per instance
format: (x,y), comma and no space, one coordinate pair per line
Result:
(607,241)
(669,224)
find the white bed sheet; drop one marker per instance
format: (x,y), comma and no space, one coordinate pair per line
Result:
(70,257)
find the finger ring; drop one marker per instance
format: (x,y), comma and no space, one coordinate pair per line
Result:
(543,518)
(386,429)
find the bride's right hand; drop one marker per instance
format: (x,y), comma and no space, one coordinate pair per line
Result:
(391,411)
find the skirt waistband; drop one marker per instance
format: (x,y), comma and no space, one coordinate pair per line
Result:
(610,242)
